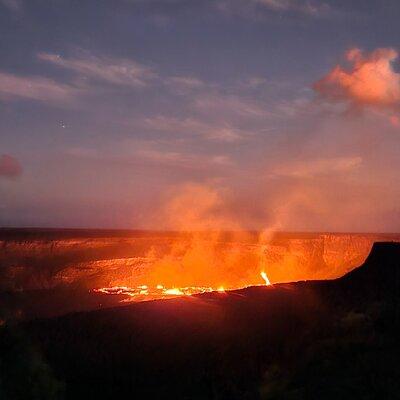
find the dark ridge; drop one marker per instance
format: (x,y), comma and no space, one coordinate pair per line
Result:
(382,253)
(380,271)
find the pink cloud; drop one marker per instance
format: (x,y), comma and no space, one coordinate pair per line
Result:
(34,88)
(10,167)
(370,79)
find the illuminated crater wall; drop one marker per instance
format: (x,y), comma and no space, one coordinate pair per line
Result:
(142,260)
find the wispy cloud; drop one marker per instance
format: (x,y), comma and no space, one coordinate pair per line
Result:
(223,132)
(310,8)
(228,105)
(121,72)
(35,88)
(321,166)
(90,73)
(154,153)
(112,70)
(180,159)
(164,153)
(180,83)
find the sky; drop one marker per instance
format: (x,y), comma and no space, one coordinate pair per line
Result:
(200,114)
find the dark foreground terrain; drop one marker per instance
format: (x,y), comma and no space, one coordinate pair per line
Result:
(333,339)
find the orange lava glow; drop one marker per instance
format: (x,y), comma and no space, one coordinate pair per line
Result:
(200,263)
(144,292)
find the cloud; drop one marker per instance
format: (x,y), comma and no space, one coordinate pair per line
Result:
(112,70)
(161,154)
(180,83)
(316,167)
(10,167)
(185,160)
(222,132)
(310,8)
(122,72)
(34,88)
(370,80)
(228,105)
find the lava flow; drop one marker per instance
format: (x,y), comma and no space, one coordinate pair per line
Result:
(144,292)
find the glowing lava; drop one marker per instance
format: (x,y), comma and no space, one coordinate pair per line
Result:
(145,292)
(151,293)
(174,292)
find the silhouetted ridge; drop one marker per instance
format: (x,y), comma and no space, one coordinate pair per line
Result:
(382,260)
(380,271)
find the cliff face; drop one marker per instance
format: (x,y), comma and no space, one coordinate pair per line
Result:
(110,261)
(46,262)
(325,256)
